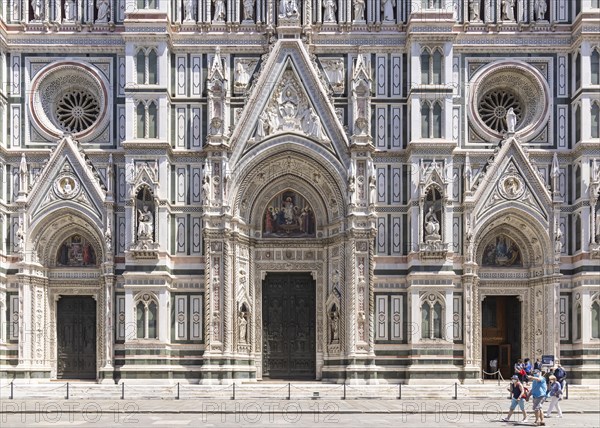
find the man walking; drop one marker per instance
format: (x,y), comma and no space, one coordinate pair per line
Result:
(517,395)
(538,392)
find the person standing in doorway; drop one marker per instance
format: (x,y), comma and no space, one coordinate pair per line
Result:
(538,392)
(517,395)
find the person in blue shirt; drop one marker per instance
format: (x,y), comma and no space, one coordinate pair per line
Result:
(538,393)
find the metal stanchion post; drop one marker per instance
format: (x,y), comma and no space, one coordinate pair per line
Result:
(566,390)
(455,391)
(177,398)
(123,391)
(12,395)
(289,397)
(233,396)
(344,391)
(67,397)
(399,391)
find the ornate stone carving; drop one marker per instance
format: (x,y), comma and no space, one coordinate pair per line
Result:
(334,71)
(289,110)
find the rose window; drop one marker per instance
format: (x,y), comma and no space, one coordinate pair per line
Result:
(493,107)
(77,110)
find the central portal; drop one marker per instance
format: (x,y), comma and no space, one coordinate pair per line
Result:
(76,331)
(501,331)
(288,307)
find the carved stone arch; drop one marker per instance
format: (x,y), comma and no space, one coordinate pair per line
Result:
(287,156)
(48,234)
(529,235)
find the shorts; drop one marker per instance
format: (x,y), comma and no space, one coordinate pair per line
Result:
(514,401)
(537,403)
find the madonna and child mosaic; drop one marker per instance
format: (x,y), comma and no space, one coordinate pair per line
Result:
(502,252)
(288,215)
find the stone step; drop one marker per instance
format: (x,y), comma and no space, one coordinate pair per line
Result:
(56,390)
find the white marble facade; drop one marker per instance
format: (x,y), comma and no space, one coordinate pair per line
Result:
(438,164)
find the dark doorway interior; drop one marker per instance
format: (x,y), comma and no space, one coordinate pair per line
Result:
(501,333)
(288,308)
(76,335)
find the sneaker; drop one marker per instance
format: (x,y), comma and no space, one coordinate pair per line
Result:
(505,419)
(524,420)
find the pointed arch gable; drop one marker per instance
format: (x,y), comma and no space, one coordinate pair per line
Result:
(288,54)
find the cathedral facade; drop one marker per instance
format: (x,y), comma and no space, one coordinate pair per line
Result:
(349,191)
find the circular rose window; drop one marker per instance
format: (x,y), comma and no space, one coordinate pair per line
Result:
(503,85)
(69,97)
(77,110)
(494,106)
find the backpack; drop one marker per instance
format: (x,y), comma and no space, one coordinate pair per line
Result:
(560,373)
(526,393)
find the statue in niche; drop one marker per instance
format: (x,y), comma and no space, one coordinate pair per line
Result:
(511,121)
(558,240)
(219,11)
(372,189)
(540,8)
(243,326)
(205,190)
(432,225)
(242,77)
(359,10)
(334,69)
(103,7)
(262,129)
(598,222)
(474,7)
(145,222)
(188,10)
(69,10)
(334,325)
(249,10)
(38,9)
(329,7)
(288,9)
(508,10)
(20,234)
(108,237)
(387,9)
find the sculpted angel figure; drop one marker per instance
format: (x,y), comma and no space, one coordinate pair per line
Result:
(103,7)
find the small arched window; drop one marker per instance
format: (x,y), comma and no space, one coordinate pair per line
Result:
(146,119)
(595,120)
(578,321)
(425,120)
(432,314)
(437,120)
(146,66)
(577,70)
(146,310)
(595,63)
(577,123)
(425,59)
(437,67)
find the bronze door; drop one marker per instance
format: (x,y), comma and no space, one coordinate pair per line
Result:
(76,335)
(288,308)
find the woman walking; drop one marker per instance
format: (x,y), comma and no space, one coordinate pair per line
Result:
(517,394)
(555,394)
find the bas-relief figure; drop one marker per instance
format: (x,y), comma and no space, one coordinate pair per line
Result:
(241,75)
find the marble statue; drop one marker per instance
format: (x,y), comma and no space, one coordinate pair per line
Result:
(511,120)
(432,224)
(508,10)
(219,11)
(188,10)
(359,10)
(288,8)
(558,240)
(249,10)
(38,9)
(334,326)
(69,10)
(329,7)
(474,6)
(387,9)
(145,223)
(241,75)
(243,327)
(540,8)
(103,7)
